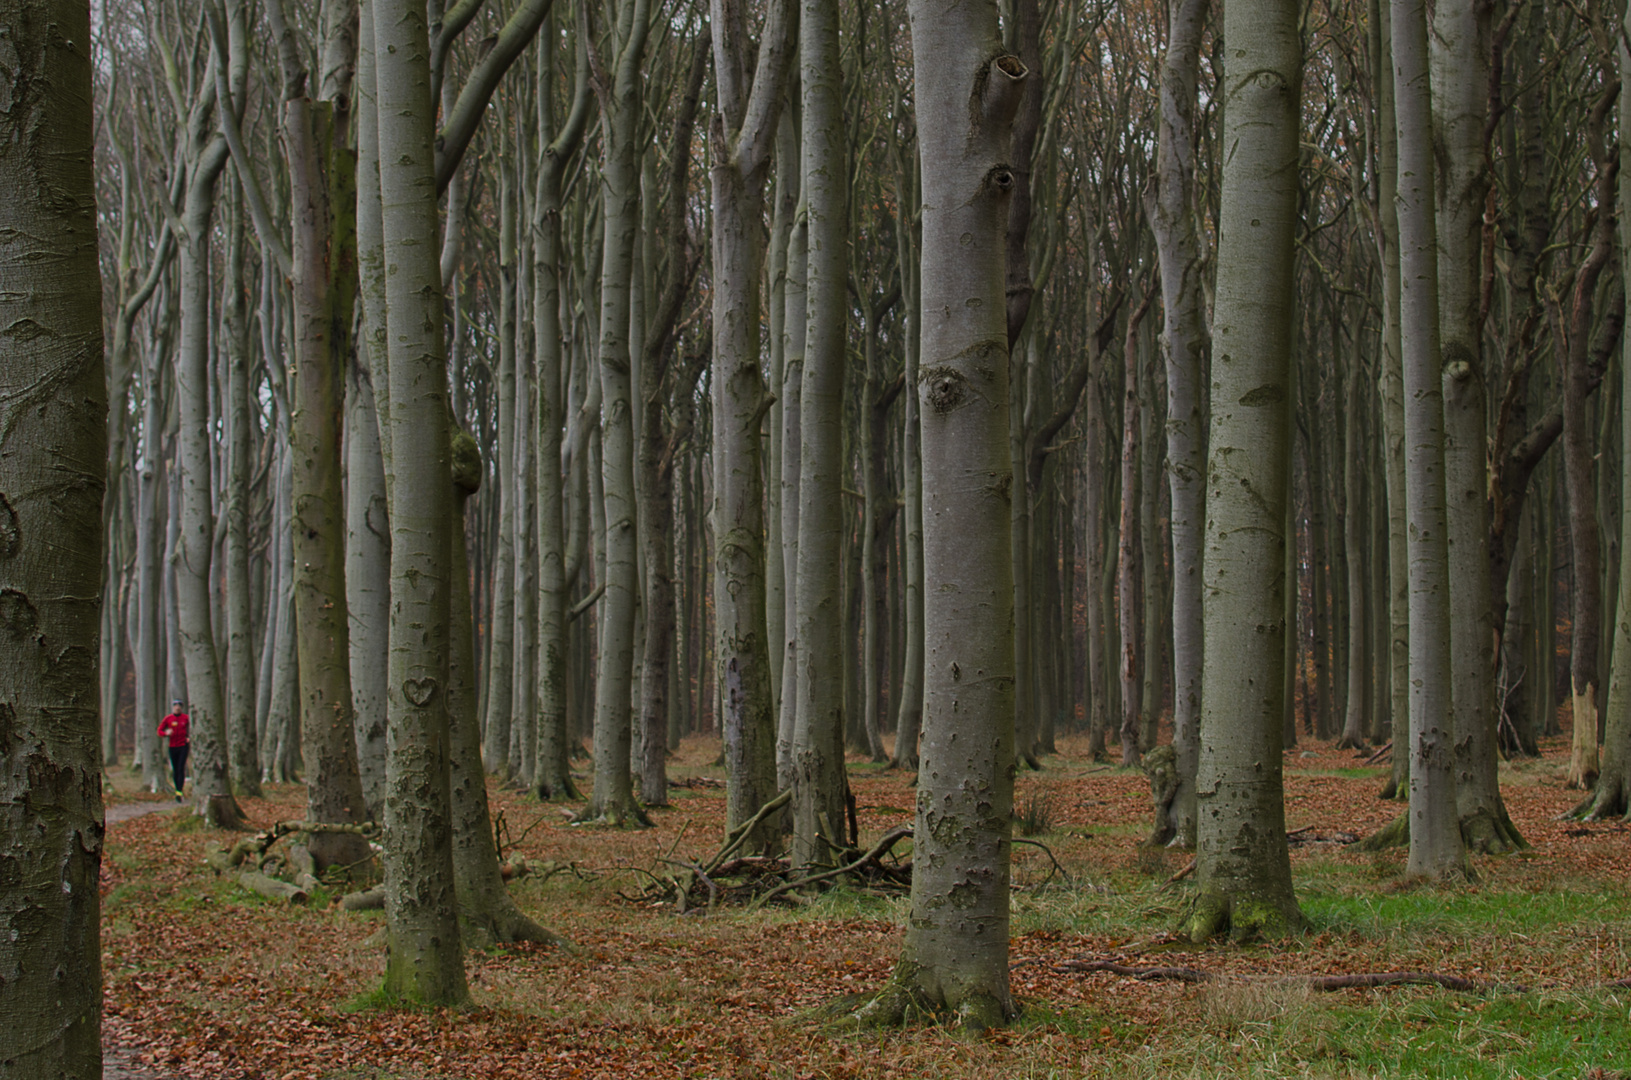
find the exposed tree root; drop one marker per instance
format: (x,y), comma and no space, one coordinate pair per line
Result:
(1609,800)
(223,812)
(627,815)
(558,789)
(1161,766)
(502,923)
(1381,752)
(1484,833)
(1491,832)
(903,1002)
(1215,911)
(1395,833)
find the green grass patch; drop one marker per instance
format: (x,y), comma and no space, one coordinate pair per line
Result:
(1436,912)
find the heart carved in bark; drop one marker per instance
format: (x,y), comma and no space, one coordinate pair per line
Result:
(419,691)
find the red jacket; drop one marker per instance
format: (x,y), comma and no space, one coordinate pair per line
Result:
(175,726)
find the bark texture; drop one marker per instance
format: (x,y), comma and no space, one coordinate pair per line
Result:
(53,446)
(744,128)
(425,963)
(1436,850)
(612,801)
(1460,87)
(955,956)
(1243,867)
(1183,347)
(818,779)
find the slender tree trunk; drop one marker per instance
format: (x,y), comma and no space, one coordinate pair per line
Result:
(878,518)
(324,258)
(1183,347)
(53,453)
(1243,868)
(819,779)
(1391,386)
(552,771)
(195,584)
(1571,347)
(1354,523)
(1612,797)
(149,659)
(1460,92)
(487,914)
(612,801)
(909,718)
(789,172)
(424,960)
(242,755)
(1436,849)
(955,956)
(498,690)
(367,582)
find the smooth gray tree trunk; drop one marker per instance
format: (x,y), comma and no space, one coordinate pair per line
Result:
(1243,867)
(1459,64)
(819,780)
(612,801)
(744,128)
(424,962)
(195,583)
(1436,849)
(1183,347)
(955,956)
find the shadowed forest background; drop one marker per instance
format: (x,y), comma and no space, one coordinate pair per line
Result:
(710,537)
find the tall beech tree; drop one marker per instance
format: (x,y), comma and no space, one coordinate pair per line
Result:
(321,258)
(1612,796)
(748,105)
(818,778)
(1243,867)
(1459,68)
(1436,848)
(552,777)
(1171,212)
(955,956)
(425,962)
(205,158)
(621,92)
(53,446)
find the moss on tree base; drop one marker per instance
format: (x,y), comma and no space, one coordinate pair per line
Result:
(1610,800)
(1484,833)
(903,1001)
(619,816)
(502,923)
(1216,911)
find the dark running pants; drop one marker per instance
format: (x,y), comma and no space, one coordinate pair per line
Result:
(178,765)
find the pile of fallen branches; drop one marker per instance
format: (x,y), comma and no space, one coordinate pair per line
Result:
(731,878)
(289,875)
(753,881)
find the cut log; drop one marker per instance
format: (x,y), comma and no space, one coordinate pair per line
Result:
(367,900)
(272,888)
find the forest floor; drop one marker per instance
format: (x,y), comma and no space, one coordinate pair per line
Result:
(204,979)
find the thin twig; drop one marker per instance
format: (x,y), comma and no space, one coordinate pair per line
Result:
(889,840)
(740,834)
(1045,848)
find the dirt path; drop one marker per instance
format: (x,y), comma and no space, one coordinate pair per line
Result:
(122,1062)
(126,811)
